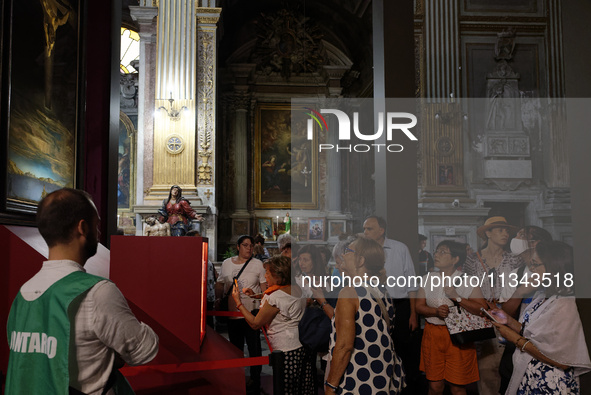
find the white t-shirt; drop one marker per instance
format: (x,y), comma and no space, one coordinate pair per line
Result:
(435,296)
(251,277)
(283,330)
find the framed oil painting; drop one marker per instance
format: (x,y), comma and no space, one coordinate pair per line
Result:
(336,227)
(285,162)
(43,99)
(265,228)
(316,229)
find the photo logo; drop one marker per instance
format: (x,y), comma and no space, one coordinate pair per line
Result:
(315,115)
(344,130)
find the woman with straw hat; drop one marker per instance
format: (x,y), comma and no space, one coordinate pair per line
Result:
(493,262)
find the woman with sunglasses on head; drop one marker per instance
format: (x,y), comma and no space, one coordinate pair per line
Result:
(362,356)
(249,273)
(551,351)
(441,360)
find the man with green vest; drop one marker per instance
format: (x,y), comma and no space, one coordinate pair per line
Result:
(68,331)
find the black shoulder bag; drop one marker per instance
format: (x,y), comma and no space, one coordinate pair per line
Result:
(224,301)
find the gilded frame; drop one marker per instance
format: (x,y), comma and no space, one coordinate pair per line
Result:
(274,185)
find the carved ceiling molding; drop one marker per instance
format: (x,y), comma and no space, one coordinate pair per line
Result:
(517,20)
(487,28)
(289,43)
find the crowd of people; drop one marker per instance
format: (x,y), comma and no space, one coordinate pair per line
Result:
(370,339)
(389,340)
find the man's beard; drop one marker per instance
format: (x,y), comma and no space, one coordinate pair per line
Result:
(90,247)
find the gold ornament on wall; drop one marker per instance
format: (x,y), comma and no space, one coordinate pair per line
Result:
(175,144)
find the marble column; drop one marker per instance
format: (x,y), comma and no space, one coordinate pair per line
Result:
(240,127)
(175,145)
(207,18)
(145,16)
(441,139)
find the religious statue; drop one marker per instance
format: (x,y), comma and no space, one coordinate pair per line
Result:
(287,221)
(177,211)
(155,228)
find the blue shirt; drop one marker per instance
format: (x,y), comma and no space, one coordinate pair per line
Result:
(399,264)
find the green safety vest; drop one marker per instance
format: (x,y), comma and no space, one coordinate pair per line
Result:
(39,337)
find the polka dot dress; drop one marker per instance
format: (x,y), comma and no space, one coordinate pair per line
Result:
(298,376)
(374,367)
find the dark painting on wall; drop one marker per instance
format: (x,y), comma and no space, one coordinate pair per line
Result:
(285,162)
(42,124)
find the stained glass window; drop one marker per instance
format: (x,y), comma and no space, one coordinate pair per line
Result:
(130,50)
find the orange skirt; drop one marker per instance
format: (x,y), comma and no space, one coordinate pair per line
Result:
(443,360)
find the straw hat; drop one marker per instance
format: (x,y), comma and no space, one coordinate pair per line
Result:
(495,222)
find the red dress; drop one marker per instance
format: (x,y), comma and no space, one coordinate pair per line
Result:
(179,211)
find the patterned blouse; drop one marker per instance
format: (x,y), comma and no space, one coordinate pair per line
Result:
(491,290)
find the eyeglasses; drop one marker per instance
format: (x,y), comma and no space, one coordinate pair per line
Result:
(348,251)
(534,264)
(442,252)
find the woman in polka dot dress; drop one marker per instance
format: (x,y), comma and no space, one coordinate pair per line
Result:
(362,354)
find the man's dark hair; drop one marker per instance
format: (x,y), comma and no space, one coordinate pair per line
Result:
(422,237)
(381,222)
(59,213)
(259,239)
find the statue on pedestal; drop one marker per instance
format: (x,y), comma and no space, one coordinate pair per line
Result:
(287,221)
(177,211)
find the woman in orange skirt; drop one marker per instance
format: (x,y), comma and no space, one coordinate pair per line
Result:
(441,360)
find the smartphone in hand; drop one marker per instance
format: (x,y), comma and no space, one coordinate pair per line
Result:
(489,315)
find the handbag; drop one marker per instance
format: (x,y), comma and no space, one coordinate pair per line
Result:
(314,329)
(465,327)
(398,376)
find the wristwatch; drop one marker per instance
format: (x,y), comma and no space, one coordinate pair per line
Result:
(459,300)
(335,388)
